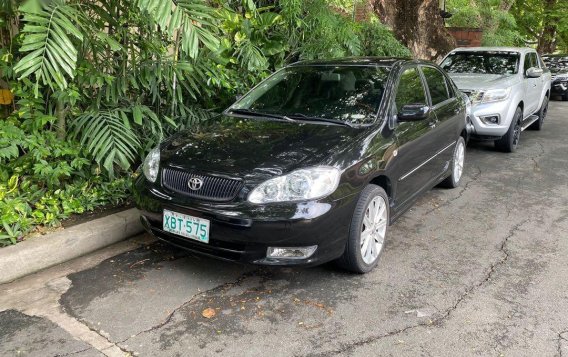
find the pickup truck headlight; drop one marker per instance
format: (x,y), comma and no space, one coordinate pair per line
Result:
(151,165)
(489,96)
(304,184)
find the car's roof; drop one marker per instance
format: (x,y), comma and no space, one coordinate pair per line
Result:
(495,49)
(354,61)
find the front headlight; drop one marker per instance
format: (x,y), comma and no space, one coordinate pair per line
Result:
(495,95)
(305,184)
(489,96)
(151,165)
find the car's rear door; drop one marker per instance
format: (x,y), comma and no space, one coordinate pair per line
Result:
(413,166)
(447,112)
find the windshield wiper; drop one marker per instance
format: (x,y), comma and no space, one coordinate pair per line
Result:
(327,120)
(259,114)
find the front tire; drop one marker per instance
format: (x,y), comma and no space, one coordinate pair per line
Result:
(368,230)
(458,160)
(510,141)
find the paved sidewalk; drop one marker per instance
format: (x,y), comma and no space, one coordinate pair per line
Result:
(476,271)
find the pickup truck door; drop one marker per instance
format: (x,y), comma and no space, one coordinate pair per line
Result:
(533,86)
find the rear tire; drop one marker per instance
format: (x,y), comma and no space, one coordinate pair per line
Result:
(510,141)
(367,232)
(458,160)
(537,125)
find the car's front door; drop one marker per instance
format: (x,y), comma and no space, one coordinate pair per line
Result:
(413,165)
(446,113)
(533,86)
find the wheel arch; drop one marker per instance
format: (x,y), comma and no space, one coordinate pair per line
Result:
(385,183)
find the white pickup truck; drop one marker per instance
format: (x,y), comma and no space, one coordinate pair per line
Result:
(508,87)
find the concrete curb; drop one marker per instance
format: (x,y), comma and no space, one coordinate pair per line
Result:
(39,253)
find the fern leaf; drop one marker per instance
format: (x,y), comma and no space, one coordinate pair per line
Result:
(51,54)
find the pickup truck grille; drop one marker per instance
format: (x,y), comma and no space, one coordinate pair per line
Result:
(212,188)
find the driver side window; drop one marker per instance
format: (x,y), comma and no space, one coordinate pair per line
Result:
(410,89)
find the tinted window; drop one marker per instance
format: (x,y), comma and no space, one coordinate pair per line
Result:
(530,61)
(489,62)
(349,93)
(436,84)
(410,89)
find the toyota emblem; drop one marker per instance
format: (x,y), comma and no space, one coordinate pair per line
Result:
(195,183)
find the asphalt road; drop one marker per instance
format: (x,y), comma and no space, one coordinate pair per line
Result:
(481,270)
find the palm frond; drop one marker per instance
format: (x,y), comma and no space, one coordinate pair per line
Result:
(192,19)
(51,54)
(104,134)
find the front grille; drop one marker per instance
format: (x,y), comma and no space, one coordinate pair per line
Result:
(214,188)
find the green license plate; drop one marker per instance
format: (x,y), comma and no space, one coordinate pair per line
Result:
(186,226)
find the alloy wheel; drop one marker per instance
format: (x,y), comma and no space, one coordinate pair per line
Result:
(516,133)
(373,229)
(459,157)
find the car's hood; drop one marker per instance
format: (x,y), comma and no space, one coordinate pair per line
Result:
(483,81)
(254,148)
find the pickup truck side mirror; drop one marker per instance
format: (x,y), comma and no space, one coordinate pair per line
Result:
(413,112)
(534,72)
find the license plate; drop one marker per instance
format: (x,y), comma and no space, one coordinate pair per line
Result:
(186,226)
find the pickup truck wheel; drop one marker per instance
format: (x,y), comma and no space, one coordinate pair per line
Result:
(510,141)
(458,160)
(368,230)
(565,96)
(537,125)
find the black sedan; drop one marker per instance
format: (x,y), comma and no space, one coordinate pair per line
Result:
(312,165)
(558,65)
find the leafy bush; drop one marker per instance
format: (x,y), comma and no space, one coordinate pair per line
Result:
(44,179)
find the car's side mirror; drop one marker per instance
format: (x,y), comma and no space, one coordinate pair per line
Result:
(534,72)
(413,112)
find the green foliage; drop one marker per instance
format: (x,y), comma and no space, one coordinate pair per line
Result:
(498,25)
(43,179)
(50,53)
(378,40)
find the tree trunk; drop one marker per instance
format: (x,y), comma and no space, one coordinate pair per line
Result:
(547,39)
(418,25)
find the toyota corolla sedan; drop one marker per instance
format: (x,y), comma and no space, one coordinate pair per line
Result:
(312,165)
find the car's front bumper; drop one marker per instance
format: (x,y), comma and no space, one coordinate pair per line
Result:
(238,233)
(483,112)
(559,87)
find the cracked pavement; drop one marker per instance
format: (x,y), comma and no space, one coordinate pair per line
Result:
(476,271)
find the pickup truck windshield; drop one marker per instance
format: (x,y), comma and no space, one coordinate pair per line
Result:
(490,62)
(350,94)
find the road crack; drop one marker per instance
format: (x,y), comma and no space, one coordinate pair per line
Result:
(168,318)
(535,159)
(441,318)
(465,187)
(562,336)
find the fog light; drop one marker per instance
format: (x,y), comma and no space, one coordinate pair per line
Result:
(490,119)
(291,252)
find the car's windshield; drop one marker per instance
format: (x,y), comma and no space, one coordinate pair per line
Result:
(348,93)
(487,62)
(556,63)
